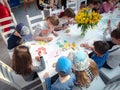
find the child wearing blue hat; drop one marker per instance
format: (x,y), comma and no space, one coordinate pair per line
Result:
(66,78)
(20,35)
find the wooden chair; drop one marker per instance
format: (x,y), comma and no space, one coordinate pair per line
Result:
(110,75)
(8,76)
(27,4)
(34,20)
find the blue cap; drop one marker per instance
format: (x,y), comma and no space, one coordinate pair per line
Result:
(64,65)
(22,29)
(24,32)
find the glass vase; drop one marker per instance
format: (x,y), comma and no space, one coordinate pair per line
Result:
(83,30)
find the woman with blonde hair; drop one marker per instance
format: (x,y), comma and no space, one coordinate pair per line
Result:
(85,69)
(22,63)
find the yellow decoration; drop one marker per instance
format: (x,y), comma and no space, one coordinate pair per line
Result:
(73,45)
(67,45)
(86,18)
(42,42)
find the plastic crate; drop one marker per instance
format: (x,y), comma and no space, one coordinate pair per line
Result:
(14,3)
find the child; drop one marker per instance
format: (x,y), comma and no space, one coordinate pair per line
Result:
(22,63)
(114,54)
(42,32)
(65,18)
(64,3)
(66,78)
(20,35)
(107,32)
(108,6)
(5,11)
(91,4)
(98,6)
(45,4)
(82,5)
(84,68)
(100,52)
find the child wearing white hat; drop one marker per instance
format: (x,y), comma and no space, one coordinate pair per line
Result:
(84,68)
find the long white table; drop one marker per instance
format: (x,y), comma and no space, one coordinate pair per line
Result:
(67,42)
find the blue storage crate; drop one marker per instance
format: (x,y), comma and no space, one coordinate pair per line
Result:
(14,3)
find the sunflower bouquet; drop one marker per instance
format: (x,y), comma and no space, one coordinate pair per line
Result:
(86,18)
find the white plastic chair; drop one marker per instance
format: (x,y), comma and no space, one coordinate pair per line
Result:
(8,76)
(13,23)
(110,75)
(96,84)
(56,11)
(73,5)
(34,20)
(5,35)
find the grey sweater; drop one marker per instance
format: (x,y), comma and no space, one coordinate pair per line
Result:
(35,69)
(114,57)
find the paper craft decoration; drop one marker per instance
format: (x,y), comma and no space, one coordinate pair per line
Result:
(67,45)
(42,50)
(42,42)
(67,31)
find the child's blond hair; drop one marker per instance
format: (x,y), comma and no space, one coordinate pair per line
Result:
(83,78)
(53,19)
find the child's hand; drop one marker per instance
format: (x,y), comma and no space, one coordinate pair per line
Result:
(65,27)
(43,32)
(85,45)
(46,75)
(39,53)
(55,33)
(37,58)
(107,29)
(49,39)
(72,22)
(17,34)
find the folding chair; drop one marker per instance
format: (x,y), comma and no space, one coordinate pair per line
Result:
(73,5)
(34,20)
(96,84)
(56,11)
(9,77)
(5,35)
(110,75)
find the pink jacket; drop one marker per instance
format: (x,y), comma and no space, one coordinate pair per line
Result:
(107,7)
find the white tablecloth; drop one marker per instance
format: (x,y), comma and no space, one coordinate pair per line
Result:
(67,42)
